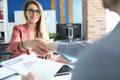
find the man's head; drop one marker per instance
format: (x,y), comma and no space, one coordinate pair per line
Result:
(111,4)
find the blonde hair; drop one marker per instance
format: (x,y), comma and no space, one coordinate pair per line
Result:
(40,27)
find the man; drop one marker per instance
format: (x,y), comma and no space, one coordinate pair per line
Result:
(101,60)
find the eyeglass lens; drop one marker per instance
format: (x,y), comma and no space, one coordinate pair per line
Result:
(31,11)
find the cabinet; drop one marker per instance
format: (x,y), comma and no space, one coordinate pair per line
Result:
(3,21)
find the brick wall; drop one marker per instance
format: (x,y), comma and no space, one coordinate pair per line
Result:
(94,20)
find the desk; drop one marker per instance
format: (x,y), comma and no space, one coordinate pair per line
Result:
(18,77)
(42,69)
(14,77)
(37,72)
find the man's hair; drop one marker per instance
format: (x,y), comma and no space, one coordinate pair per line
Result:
(111,3)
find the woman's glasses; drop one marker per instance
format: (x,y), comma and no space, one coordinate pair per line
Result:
(31,11)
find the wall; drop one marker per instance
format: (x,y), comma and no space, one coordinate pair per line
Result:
(13,5)
(92,16)
(112,19)
(77,11)
(94,20)
(18,5)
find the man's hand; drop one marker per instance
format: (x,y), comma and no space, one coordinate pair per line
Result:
(30,76)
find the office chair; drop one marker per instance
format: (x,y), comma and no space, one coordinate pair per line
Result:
(4,54)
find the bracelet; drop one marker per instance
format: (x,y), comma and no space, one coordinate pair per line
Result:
(45,57)
(23,45)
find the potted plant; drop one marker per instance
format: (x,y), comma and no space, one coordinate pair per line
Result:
(52,36)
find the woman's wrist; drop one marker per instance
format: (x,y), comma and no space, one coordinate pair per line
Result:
(22,46)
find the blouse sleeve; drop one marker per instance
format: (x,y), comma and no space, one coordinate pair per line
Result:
(15,40)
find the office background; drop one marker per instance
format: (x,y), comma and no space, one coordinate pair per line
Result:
(77,9)
(84,11)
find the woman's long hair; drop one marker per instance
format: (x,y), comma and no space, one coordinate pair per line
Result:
(41,30)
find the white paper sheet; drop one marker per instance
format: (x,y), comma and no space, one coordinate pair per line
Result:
(43,69)
(5,72)
(22,64)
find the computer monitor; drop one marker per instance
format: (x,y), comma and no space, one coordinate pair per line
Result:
(63,31)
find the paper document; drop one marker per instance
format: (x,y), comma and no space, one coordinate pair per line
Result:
(46,69)
(22,64)
(5,72)
(43,69)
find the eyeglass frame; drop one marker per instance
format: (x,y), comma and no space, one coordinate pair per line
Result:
(31,11)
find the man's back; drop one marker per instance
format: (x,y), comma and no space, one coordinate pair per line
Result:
(101,61)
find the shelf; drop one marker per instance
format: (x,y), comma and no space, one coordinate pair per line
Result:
(1,21)
(1,30)
(4,19)
(1,4)
(1,9)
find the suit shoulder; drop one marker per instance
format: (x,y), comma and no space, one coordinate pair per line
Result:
(20,26)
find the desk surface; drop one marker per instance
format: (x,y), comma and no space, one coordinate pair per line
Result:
(18,77)
(43,69)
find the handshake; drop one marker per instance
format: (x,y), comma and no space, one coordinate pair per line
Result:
(44,49)
(39,46)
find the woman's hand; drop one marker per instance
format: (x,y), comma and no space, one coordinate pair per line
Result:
(30,76)
(38,46)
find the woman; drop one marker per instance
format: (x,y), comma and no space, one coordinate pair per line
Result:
(25,37)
